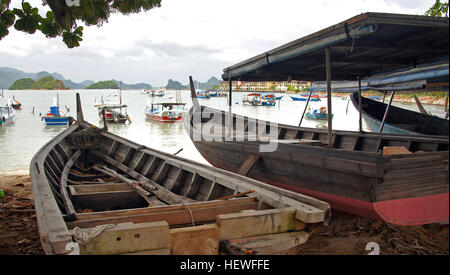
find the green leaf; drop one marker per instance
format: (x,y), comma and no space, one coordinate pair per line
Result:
(7,18)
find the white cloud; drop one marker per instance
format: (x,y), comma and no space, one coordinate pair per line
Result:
(182,38)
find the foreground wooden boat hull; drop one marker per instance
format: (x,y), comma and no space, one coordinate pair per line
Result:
(355,178)
(130,199)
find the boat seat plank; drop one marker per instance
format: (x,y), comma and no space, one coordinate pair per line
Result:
(180,215)
(158,190)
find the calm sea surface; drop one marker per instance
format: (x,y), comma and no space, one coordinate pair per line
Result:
(20,140)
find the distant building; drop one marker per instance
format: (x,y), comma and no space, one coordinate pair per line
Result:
(275,86)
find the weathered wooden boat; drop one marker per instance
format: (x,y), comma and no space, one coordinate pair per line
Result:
(7,115)
(168,112)
(357,175)
(102,194)
(113,113)
(398,120)
(352,170)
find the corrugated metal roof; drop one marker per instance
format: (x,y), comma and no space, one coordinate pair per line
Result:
(362,46)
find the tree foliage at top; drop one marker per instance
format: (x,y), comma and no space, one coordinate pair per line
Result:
(438,9)
(65,15)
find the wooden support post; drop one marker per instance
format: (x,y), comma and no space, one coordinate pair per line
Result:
(230,88)
(230,113)
(328,72)
(80,117)
(195,103)
(105,124)
(360,104)
(384,96)
(421,108)
(304,111)
(446,106)
(386,112)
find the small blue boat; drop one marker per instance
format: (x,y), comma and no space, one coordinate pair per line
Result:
(203,94)
(54,117)
(304,98)
(318,114)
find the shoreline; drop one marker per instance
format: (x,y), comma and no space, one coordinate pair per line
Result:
(345,235)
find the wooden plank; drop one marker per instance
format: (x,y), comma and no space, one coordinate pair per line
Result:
(266,244)
(254,223)
(96,188)
(395,150)
(70,210)
(161,192)
(166,208)
(180,216)
(196,240)
(248,164)
(128,238)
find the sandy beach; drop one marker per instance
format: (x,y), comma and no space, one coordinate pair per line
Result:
(345,234)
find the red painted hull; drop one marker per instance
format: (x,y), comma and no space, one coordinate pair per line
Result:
(165,119)
(407,211)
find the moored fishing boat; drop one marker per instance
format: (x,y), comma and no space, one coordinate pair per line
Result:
(7,115)
(203,94)
(98,193)
(15,104)
(398,120)
(304,98)
(54,117)
(113,113)
(318,114)
(258,99)
(164,112)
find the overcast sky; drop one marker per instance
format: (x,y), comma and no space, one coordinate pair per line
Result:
(182,38)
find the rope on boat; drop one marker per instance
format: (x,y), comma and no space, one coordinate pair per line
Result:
(190,212)
(84,238)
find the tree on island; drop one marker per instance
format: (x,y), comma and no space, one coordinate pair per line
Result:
(109,84)
(44,83)
(64,16)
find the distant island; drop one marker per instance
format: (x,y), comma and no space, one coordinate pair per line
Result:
(212,83)
(44,83)
(9,77)
(109,84)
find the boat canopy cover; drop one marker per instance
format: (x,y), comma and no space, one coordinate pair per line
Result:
(433,78)
(360,47)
